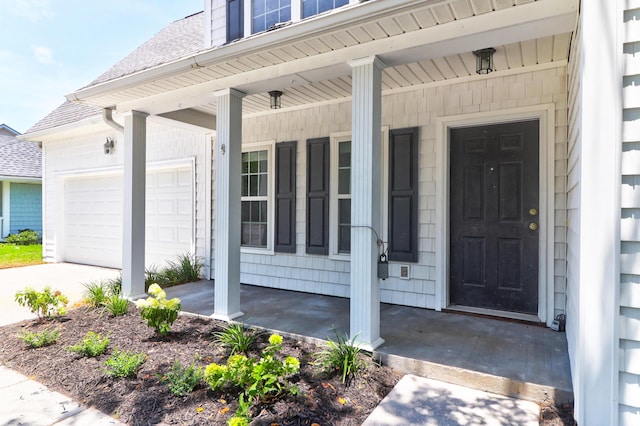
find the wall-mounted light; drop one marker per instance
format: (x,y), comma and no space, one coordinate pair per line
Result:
(276,99)
(484,60)
(109,145)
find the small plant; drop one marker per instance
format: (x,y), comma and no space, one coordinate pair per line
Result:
(183,380)
(24,237)
(341,355)
(38,340)
(262,380)
(44,303)
(186,268)
(235,337)
(123,363)
(157,311)
(96,292)
(91,345)
(116,305)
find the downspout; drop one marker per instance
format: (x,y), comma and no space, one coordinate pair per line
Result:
(107,116)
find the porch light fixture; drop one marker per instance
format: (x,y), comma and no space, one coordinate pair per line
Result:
(484,60)
(109,145)
(276,99)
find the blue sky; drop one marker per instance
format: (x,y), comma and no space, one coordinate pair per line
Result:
(49,48)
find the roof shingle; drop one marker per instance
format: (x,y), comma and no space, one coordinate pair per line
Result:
(20,158)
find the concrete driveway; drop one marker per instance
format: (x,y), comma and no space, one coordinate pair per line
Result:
(66,277)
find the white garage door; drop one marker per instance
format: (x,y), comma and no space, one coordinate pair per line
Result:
(93,217)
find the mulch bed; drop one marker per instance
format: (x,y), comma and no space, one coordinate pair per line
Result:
(145,400)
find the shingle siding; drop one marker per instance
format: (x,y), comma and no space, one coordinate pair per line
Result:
(417,108)
(629,379)
(26,207)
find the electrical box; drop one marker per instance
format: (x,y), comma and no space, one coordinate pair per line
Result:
(383,267)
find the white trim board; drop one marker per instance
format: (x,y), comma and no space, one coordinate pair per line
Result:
(546,116)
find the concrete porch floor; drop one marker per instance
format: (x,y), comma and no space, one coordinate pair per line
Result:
(503,357)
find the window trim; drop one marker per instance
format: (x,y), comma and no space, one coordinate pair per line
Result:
(268,146)
(335,139)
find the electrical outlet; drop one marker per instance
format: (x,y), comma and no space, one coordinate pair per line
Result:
(404,272)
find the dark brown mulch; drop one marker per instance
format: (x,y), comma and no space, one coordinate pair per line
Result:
(145,400)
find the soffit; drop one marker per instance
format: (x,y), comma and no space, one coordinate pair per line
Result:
(319,84)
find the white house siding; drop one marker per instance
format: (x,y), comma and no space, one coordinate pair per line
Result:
(629,388)
(216,27)
(78,155)
(573,207)
(419,107)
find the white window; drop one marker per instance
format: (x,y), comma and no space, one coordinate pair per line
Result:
(256,189)
(313,7)
(265,13)
(340,204)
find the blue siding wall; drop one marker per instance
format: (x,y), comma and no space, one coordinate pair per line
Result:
(26,207)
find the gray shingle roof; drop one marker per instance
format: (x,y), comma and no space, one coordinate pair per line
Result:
(20,158)
(178,40)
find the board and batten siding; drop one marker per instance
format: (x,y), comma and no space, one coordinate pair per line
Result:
(629,380)
(419,107)
(82,154)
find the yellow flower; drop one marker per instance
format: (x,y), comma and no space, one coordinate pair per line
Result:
(156,290)
(275,339)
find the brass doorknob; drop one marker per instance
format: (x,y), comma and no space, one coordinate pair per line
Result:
(533,211)
(533,226)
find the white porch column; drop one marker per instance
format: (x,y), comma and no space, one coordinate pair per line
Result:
(366,185)
(227,199)
(133,238)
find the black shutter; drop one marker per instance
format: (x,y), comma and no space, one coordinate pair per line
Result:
(403,195)
(235,20)
(318,196)
(285,197)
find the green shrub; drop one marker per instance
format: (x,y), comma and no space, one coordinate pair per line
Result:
(261,380)
(157,311)
(91,345)
(341,355)
(96,292)
(116,305)
(235,337)
(123,363)
(183,380)
(24,237)
(44,303)
(185,269)
(38,340)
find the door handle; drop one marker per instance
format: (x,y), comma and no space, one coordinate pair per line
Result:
(533,226)
(533,211)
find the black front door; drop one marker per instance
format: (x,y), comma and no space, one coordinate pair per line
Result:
(494,216)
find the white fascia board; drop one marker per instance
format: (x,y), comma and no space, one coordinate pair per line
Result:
(534,13)
(532,20)
(71,129)
(15,179)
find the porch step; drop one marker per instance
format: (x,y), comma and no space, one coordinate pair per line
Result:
(476,380)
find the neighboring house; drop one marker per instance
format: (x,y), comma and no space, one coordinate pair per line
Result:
(20,184)
(514,193)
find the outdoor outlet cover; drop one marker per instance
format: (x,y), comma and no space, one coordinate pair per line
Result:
(404,272)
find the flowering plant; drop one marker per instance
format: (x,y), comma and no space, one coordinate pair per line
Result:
(157,311)
(45,303)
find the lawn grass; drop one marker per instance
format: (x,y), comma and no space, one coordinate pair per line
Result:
(12,256)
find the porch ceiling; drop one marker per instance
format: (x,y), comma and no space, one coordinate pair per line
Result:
(420,41)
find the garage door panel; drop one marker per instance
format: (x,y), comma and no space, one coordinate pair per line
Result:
(93,217)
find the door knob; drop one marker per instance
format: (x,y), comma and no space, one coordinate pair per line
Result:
(533,226)
(533,211)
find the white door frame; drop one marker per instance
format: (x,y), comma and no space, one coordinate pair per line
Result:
(546,116)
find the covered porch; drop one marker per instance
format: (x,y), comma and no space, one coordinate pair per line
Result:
(504,357)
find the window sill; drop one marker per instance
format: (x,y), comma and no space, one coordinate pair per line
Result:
(257,250)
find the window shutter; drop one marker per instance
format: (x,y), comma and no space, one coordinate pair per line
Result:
(235,20)
(285,197)
(318,196)
(403,195)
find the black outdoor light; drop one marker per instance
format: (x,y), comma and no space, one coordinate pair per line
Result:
(276,99)
(109,145)
(484,60)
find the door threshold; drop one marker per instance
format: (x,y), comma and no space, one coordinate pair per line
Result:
(495,314)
